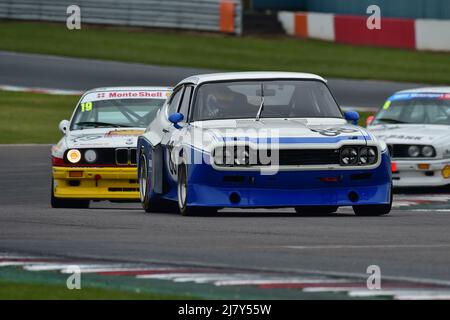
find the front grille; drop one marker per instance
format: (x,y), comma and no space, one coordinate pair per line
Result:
(122,156)
(401,151)
(133,154)
(308,157)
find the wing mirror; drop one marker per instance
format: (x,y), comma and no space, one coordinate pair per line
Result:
(64,126)
(352,116)
(175,118)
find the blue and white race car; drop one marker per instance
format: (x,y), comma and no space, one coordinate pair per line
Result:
(260,140)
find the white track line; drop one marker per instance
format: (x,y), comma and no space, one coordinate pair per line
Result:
(387,246)
(40,90)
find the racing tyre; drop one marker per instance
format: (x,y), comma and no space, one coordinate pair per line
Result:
(66,203)
(182,193)
(316,210)
(149,200)
(374,210)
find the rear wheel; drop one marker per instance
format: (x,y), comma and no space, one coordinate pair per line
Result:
(374,210)
(149,200)
(66,203)
(316,210)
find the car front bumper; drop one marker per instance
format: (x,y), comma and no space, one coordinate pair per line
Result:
(95,183)
(209,187)
(406,173)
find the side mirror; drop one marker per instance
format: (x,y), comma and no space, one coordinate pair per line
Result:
(63,126)
(175,118)
(369,120)
(352,116)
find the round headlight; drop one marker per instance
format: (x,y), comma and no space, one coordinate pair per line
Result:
(223,156)
(74,156)
(367,156)
(349,156)
(90,156)
(242,157)
(428,151)
(413,151)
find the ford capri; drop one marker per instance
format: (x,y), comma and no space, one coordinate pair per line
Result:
(96,157)
(260,140)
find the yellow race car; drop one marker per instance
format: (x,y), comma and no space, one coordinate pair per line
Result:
(96,157)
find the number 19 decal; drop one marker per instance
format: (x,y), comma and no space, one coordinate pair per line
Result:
(87,106)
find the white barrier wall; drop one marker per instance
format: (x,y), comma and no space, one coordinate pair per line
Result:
(287,20)
(433,35)
(321,26)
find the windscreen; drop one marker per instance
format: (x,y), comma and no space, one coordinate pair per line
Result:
(116,113)
(268,99)
(415,108)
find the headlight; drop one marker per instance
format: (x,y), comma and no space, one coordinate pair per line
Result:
(238,155)
(349,156)
(90,156)
(223,156)
(74,156)
(428,151)
(367,156)
(242,156)
(413,151)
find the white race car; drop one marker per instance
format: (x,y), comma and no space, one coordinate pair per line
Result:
(416,126)
(96,158)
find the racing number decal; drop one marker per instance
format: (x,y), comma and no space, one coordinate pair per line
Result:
(86,106)
(332,132)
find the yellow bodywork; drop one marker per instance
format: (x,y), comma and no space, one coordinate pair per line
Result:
(81,183)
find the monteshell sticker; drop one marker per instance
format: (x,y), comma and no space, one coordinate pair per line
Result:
(121,133)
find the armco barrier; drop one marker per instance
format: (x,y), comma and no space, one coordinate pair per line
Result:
(417,34)
(206,15)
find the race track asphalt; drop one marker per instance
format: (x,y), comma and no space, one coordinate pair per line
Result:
(406,243)
(42,71)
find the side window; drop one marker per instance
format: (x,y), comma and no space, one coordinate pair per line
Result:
(184,107)
(174,102)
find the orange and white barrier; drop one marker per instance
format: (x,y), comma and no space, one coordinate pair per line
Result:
(419,34)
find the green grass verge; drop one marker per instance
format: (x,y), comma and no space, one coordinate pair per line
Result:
(34,117)
(35,291)
(226,52)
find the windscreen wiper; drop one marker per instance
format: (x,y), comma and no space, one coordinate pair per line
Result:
(261,106)
(101,124)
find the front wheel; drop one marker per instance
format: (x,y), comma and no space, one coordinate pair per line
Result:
(150,201)
(182,191)
(66,203)
(374,210)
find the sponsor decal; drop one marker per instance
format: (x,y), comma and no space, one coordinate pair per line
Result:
(399,136)
(122,133)
(409,96)
(125,95)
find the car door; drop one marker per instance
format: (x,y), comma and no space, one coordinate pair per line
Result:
(173,138)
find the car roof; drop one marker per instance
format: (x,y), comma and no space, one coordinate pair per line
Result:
(211,77)
(135,88)
(427,90)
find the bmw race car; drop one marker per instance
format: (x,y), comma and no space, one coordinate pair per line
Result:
(96,158)
(260,139)
(416,126)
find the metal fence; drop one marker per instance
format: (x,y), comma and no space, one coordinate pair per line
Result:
(191,14)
